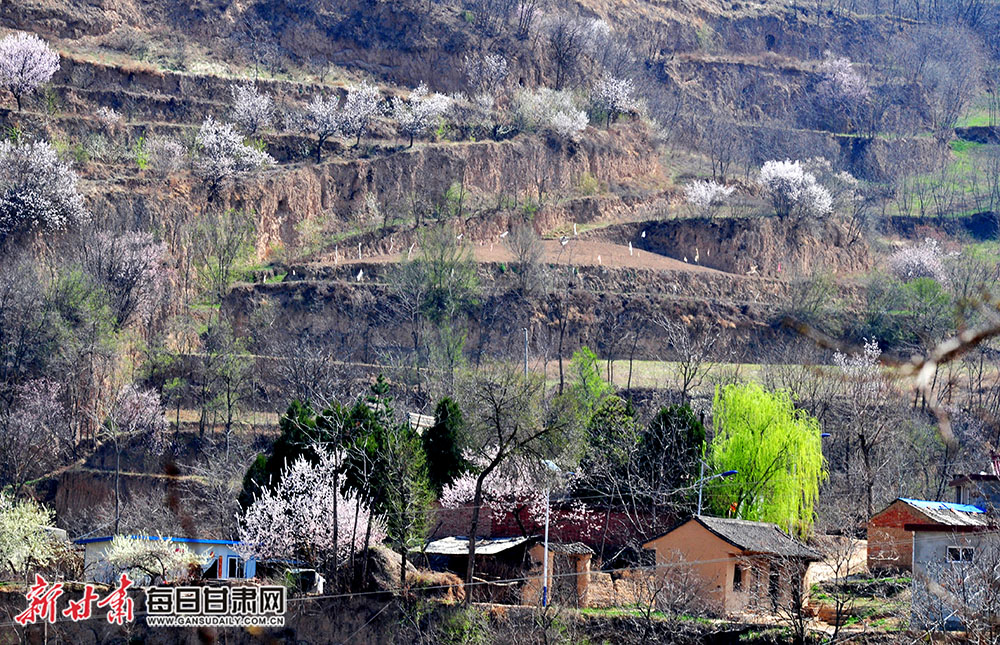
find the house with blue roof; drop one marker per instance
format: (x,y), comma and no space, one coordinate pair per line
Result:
(890,543)
(220,559)
(951,548)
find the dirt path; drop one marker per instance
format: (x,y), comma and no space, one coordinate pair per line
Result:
(574,252)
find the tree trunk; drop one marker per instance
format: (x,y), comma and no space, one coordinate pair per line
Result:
(631,356)
(368,538)
(336,532)
(477,501)
(118,470)
(402,567)
(354,539)
(562,334)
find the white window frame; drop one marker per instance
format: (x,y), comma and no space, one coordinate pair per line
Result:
(963,551)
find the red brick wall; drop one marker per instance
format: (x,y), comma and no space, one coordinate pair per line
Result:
(563,527)
(889,545)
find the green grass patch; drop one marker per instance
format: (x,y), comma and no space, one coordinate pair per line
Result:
(279,277)
(962,147)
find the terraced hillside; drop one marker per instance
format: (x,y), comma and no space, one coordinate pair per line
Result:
(702,192)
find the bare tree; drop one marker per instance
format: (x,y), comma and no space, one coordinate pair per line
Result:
(253,36)
(691,349)
(527,248)
(570,40)
(504,413)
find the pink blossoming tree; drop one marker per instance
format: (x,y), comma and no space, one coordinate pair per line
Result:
(307,516)
(26,63)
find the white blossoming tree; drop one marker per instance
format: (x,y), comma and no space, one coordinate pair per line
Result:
(613,97)
(704,196)
(792,190)
(157,560)
(418,115)
(24,542)
(919,261)
(842,92)
(37,190)
(552,110)
(166,156)
(222,154)
(865,391)
(307,516)
(253,111)
(362,105)
(131,268)
(486,74)
(26,63)
(323,120)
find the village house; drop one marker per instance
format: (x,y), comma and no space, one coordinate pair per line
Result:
(890,543)
(511,568)
(221,561)
(955,556)
(951,548)
(739,566)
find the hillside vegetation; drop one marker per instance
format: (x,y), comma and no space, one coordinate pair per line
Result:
(233,235)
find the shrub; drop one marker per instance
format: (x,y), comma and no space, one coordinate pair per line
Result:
(166,156)
(141,153)
(110,118)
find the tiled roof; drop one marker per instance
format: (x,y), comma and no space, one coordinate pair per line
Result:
(571,548)
(757,537)
(925,505)
(948,514)
(459,545)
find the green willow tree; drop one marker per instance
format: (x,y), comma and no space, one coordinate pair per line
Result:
(776,449)
(589,388)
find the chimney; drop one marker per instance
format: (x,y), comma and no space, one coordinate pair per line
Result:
(995,460)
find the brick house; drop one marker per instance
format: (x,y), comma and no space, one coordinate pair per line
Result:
(890,543)
(954,563)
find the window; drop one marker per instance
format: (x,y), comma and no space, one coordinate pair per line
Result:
(737,578)
(234,567)
(960,553)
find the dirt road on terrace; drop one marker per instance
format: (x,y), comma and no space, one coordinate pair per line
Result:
(575,252)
